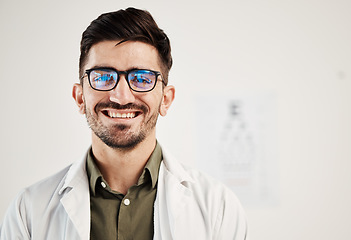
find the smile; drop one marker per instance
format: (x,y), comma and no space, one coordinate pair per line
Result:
(112,114)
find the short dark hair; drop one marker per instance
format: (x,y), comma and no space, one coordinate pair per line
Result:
(130,24)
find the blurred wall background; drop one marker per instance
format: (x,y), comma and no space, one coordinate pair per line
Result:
(299,50)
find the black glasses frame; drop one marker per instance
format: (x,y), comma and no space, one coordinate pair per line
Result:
(119,73)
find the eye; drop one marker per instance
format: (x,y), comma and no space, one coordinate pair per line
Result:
(140,78)
(104,78)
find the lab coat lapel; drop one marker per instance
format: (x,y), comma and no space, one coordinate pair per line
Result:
(76,200)
(172,197)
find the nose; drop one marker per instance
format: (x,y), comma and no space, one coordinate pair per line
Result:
(122,94)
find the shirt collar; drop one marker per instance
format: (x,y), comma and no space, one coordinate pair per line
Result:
(153,164)
(92,171)
(151,169)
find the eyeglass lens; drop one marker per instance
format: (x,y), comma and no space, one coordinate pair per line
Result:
(106,79)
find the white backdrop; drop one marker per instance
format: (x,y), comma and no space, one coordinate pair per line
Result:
(299,50)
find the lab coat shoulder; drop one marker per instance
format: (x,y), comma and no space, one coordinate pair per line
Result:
(228,220)
(199,206)
(54,208)
(36,200)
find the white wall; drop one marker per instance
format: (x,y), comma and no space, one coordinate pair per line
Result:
(300,50)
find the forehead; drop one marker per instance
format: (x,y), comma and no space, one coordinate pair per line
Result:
(124,56)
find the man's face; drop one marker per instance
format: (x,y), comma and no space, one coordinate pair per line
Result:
(122,118)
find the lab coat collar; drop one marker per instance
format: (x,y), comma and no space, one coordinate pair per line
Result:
(175,168)
(76,175)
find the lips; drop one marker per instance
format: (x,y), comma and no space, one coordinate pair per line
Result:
(117,111)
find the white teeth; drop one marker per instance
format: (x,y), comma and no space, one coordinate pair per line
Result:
(121,115)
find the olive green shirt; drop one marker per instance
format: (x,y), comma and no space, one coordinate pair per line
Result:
(117,216)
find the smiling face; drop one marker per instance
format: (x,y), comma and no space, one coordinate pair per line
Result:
(122,118)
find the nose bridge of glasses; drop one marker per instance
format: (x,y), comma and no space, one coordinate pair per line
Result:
(122,93)
(124,76)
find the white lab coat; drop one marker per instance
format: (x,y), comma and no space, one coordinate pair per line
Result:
(189,205)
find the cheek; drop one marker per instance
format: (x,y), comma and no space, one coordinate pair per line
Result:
(154,103)
(91,98)
(89,105)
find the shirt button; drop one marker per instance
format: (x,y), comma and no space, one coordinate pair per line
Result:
(126,201)
(103,184)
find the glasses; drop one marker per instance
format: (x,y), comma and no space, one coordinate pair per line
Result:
(106,79)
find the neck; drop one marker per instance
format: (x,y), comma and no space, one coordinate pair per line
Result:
(122,168)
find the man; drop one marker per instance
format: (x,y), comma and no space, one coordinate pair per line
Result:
(127,186)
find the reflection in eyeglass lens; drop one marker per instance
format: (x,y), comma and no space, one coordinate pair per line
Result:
(142,79)
(102,79)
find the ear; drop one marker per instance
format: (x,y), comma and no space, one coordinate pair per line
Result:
(77,94)
(167,99)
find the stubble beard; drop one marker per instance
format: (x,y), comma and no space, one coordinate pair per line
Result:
(120,136)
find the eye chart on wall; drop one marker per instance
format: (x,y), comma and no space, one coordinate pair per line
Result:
(237,145)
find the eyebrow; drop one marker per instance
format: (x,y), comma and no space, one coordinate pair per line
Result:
(101,66)
(110,67)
